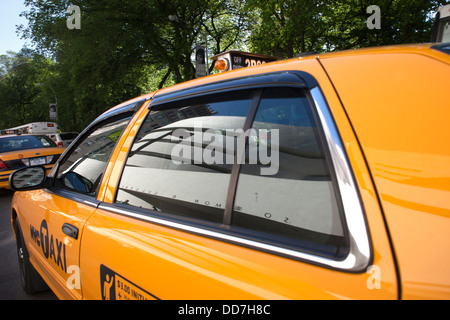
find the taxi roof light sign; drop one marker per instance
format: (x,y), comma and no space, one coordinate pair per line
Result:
(231,60)
(222,64)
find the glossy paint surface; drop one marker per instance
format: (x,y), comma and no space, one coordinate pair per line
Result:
(400,116)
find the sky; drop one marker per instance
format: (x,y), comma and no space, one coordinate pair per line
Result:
(9,19)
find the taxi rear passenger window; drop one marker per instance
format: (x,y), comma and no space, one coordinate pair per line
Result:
(295,201)
(192,160)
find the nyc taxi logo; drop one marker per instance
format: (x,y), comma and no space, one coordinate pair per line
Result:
(52,247)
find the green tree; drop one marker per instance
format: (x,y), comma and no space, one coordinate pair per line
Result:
(125,47)
(402,21)
(227,26)
(21,98)
(286,28)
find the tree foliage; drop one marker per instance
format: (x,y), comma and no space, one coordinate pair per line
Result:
(128,47)
(22,97)
(289,27)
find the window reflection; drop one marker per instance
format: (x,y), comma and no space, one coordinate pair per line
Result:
(166,169)
(298,200)
(83,169)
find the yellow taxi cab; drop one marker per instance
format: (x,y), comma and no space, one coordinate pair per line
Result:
(319,177)
(18,151)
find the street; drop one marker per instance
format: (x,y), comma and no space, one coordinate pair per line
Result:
(10,286)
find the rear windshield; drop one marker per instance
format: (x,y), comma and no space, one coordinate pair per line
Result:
(16,143)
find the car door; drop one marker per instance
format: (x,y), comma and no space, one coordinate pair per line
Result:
(58,214)
(288,212)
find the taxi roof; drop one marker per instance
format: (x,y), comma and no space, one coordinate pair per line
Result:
(411,48)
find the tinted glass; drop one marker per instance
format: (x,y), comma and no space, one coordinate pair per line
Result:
(68,136)
(181,160)
(15,143)
(288,190)
(82,170)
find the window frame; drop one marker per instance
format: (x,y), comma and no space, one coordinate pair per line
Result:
(347,193)
(122,113)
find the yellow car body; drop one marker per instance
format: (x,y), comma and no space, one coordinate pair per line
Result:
(384,113)
(18,157)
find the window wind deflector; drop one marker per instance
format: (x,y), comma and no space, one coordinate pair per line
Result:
(128,110)
(293,78)
(443,47)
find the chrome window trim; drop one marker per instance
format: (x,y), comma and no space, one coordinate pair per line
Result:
(358,258)
(74,196)
(346,264)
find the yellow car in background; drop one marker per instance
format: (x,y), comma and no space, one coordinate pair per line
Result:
(19,151)
(319,177)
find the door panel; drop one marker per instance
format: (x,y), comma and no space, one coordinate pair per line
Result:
(53,219)
(171,264)
(54,253)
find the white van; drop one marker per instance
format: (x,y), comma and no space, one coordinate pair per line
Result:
(43,127)
(63,139)
(37,128)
